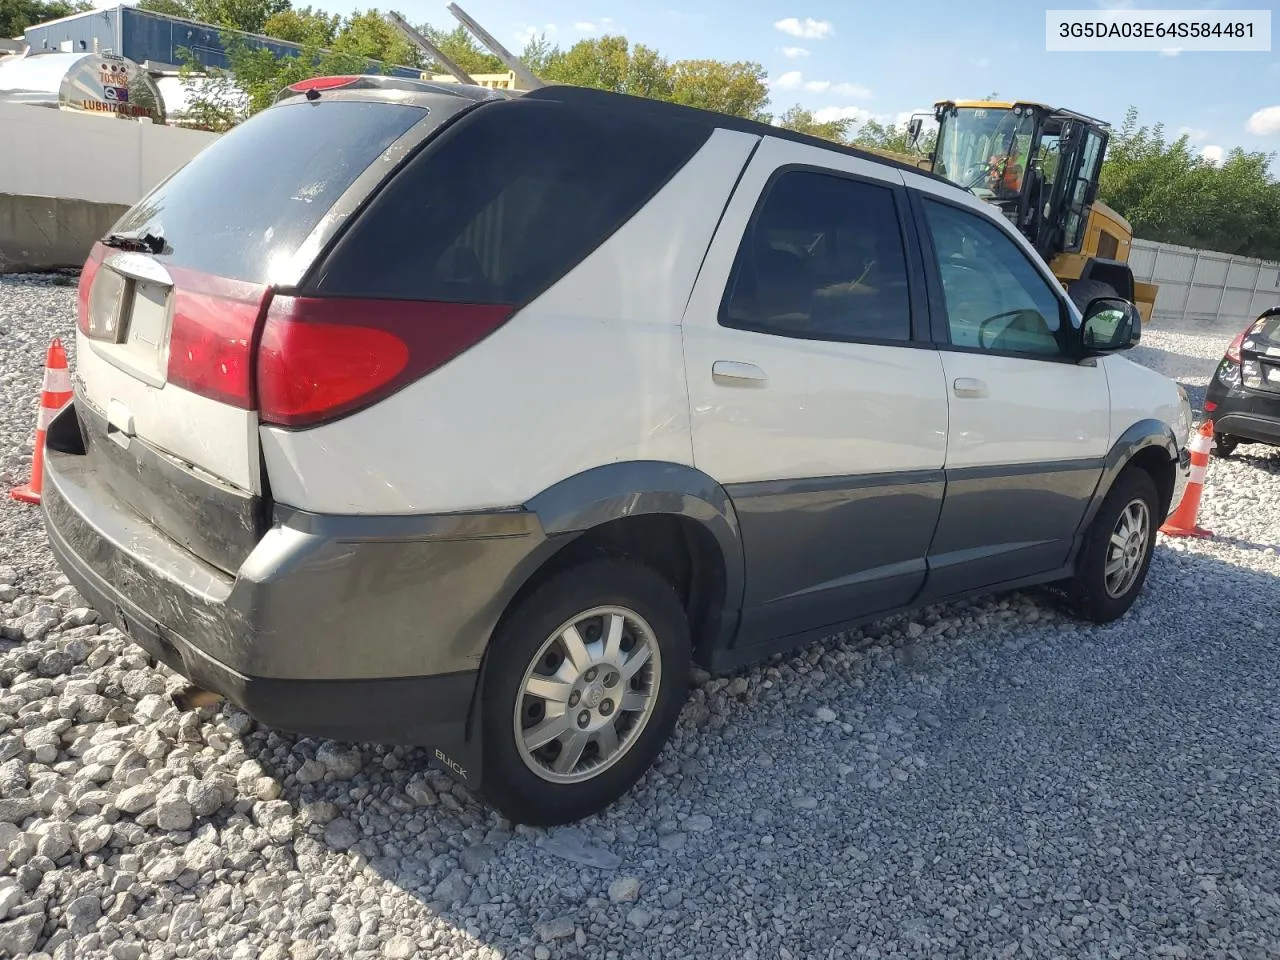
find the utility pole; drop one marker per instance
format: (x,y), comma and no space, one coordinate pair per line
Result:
(427,47)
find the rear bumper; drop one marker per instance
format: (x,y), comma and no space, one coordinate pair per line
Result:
(1248,416)
(354,628)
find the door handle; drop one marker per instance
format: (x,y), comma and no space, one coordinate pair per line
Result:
(969,387)
(734,373)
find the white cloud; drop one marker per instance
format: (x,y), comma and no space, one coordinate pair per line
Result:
(1214,154)
(791,80)
(792,53)
(818,86)
(981,63)
(856,114)
(1265,122)
(585,26)
(529,34)
(808,28)
(855,90)
(1171,52)
(1193,134)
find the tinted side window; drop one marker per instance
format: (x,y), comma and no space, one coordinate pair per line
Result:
(995,298)
(254,195)
(823,259)
(506,203)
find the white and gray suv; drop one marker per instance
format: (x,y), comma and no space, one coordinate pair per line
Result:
(427,414)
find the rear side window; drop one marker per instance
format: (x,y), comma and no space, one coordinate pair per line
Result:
(505,203)
(254,195)
(823,259)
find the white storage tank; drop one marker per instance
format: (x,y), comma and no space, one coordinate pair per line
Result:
(98,83)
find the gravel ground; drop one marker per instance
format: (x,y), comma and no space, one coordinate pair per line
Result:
(989,779)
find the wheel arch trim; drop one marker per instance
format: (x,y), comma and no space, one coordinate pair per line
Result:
(637,488)
(1142,435)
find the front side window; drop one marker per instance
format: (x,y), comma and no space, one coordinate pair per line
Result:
(823,259)
(996,300)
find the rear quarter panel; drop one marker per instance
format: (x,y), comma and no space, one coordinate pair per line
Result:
(590,373)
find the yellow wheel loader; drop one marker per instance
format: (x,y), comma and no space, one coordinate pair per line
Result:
(1040,165)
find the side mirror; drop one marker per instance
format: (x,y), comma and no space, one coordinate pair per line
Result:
(913,130)
(1110,324)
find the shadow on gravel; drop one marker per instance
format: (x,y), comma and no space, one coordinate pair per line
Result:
(981,782)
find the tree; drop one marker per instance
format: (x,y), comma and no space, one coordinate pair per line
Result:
(735,88)
(368,35)
(17,15)
(304,26)
(214,100)
(247,15)
(892,138)
(460,47)
(800,120)
(611,63)
(537,54)
(1169,193)
(170,8)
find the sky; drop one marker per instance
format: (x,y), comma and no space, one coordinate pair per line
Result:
(886,60)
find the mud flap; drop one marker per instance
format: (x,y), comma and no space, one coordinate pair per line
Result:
(463,758)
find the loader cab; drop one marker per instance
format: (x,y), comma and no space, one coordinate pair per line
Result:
(1039,164)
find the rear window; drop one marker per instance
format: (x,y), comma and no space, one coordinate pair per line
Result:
(507,202)
(1266,329)
(255,194)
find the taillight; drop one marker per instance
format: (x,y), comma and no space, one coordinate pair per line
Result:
(322,83)
(319,359)
(87,274)
(211,339)
(1233,349)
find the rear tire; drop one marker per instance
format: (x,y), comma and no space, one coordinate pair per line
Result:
(570,727)
(1224,445)
(1083,291)
(1113,562)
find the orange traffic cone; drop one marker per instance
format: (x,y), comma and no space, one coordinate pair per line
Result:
(53,397)
(1183,521)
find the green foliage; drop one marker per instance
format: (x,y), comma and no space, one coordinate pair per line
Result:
(800,120)
(1170,194)
(611,63)
(17,15)
(213,97)
(735,88)
(368,36)
(304,26)
(170,8)
(460,47)
(893,139)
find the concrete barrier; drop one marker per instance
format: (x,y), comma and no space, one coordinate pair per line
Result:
(48,233)
(66,177)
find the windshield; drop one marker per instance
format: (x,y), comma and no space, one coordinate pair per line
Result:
(985,150)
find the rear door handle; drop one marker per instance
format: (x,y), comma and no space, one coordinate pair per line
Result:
(969,387)
(736,374)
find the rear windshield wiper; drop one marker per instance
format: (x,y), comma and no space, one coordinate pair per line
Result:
(135,242)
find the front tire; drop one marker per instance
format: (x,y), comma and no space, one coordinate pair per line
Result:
(1116,554)
(585,682)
